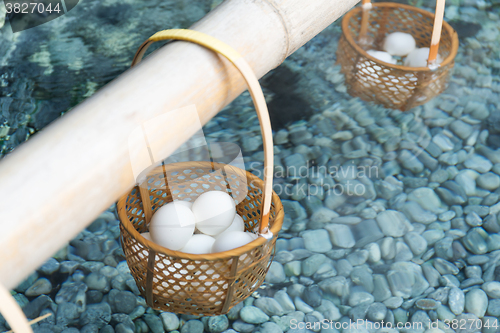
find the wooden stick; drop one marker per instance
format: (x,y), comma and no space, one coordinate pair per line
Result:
(34,321)
(58,182)
(436,32)
(12,312)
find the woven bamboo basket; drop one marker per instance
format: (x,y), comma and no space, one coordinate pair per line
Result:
(203,284)
(394,86)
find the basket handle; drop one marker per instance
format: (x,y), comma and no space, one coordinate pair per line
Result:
(255,91)
(436,29)
(436,33)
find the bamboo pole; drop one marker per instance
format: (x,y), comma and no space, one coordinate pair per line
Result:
(55,184)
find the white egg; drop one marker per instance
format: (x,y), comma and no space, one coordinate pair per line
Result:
(399,44)
(214,212)
(230,240)
(188,204)
(418,58)
(147,235)
(199,244)
(172,226)
(382,56)
(237,225)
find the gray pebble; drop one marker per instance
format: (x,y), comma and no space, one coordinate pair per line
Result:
(494,307)
(471,282)
(283,257)
(49,267)
(270,306)
(285,301)
(340,235)
(323,215)
(417,213)
(492,289)
(403,252)
(400,316)
(300,254)
(317,240)
(311,264)
(124,302)
(467,318)
(393,223)
(393,302)
(431,274)
(302,306)
(358,257)
(417,243)
(253,315)
(377,312)
(427,199)
(400,283)
(357,298)
(270,327)
(478,260)
(313,295)
(363,277)
(294,210)
(473,271)
(170,321)
(41,286)
(366,232)
(489,181)
(474,242)
(234,313)
(449,280)
(192,326)
(276,273)
(479,163)
(388,248)
(444,248)
(242,327)
(422,318)
(97,281)
(427,304)
(461,129)
(217,324)
(410,162)
(358,312)
(476,302)
(154,323)
(98,314)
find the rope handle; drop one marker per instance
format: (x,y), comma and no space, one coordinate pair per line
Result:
(253,87)
(436,29)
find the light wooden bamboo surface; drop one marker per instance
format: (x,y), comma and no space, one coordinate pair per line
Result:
(60,180)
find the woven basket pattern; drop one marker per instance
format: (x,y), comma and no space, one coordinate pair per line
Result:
(394,86)
(197,284)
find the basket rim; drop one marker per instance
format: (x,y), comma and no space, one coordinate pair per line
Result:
(449,59)
(276,226)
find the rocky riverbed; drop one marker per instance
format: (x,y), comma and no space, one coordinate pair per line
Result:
(390,216)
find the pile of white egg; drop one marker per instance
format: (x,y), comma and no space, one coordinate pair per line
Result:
(208,225)
(400,44)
